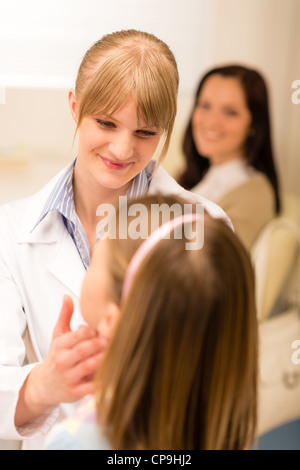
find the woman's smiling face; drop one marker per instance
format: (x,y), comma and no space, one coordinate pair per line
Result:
(114,149)
(221,120)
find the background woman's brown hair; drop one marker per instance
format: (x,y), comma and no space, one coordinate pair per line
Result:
(258,147)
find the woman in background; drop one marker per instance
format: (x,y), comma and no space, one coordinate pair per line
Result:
(180,368)
(228,149)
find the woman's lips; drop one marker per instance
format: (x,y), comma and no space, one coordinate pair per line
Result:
(211,136)
(113,164)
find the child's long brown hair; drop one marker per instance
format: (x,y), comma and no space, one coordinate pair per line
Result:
(180,371)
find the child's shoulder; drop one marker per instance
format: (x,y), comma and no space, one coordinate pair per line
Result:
(79,431)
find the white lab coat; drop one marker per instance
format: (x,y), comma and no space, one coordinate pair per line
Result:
(36,269)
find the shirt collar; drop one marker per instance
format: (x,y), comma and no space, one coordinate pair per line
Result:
(61,196)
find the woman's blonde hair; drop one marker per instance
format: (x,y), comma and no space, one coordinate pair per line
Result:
(130,63)
(180,371)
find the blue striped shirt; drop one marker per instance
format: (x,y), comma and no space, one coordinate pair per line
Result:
(61,199)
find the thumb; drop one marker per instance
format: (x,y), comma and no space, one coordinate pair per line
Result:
(63,323)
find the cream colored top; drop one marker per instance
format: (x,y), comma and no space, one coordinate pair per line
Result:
(245,194)
(220,179)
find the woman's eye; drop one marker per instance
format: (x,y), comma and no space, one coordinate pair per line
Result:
(230,112)
(145,133)
(203,105)
(105,124)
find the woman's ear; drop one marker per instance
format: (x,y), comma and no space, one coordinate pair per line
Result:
(108,321)
(73,104)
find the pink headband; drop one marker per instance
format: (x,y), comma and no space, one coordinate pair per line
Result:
(149,243)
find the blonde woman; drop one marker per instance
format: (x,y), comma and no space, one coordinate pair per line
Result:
(180,368)
(123,104)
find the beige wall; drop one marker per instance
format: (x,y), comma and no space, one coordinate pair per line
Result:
(261,33)
(266,34)
(36,136)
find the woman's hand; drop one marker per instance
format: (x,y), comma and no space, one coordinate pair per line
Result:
(66,373)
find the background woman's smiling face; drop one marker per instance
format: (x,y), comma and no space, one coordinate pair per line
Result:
(221,120)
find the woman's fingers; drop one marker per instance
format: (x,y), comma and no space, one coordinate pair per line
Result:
(72,338)
(64,320)
(81,376)
(74,351)
(72,360)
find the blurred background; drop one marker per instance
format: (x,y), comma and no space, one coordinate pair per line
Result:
(42,44)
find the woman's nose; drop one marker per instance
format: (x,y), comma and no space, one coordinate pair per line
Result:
(209,118)
(122,146)
(214,119)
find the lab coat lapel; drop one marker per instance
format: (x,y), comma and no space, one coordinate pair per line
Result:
(48,230)
(66,265)
(64,261)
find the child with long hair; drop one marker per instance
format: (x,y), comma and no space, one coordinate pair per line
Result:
(124,105)
(179,370)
